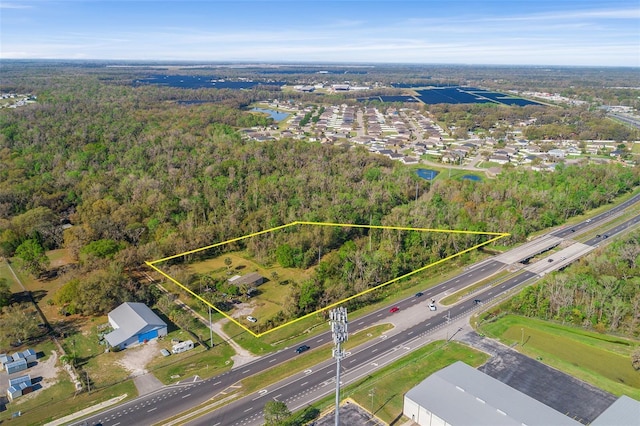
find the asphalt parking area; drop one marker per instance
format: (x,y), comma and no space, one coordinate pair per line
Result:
(350,414)
(560,391)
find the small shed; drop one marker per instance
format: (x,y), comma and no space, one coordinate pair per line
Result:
(17,356)
(15,366)
(19,386)
(4,359)
(30,355)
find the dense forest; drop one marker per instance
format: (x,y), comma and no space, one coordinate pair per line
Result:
(599,292)
(120,174)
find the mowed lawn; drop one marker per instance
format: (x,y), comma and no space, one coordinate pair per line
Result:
(600,359)
(272,293)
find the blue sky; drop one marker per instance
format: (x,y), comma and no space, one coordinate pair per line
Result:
(518,32)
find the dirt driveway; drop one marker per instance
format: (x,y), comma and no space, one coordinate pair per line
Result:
(135,359)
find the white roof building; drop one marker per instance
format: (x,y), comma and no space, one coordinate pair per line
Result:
(134,323)
(461,395)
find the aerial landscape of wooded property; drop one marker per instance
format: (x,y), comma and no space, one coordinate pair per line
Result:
(182,237)
(117,173)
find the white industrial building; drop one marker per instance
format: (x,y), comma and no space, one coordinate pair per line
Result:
(461,395)
(134,323)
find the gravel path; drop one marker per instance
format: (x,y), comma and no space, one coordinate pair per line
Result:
(242,355)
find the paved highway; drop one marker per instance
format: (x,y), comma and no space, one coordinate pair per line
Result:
(302,389)
(166,402)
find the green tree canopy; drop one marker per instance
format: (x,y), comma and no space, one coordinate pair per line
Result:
(276,413)
(33,257)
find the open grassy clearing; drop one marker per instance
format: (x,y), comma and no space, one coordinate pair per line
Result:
(272,293)
(198,361)
(599,359)
(5,273)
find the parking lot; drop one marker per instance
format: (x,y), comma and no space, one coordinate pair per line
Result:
(558,390)
(350,414)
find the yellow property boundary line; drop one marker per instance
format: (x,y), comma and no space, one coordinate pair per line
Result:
(152,264)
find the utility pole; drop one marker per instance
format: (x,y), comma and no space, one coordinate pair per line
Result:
(338,318)
(210,329)
(372,393)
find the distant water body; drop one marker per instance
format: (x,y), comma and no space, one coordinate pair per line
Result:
(427,174)
(276,115)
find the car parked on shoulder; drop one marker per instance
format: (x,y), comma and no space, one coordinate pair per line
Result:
(394,309)
(302,348)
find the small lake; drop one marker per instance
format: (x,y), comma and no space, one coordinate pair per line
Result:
(427,174)
(276,115)
(472,177)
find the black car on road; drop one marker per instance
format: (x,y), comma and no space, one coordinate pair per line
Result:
(302,349)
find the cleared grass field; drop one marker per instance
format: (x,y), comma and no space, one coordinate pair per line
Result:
(599,359)
(272,294)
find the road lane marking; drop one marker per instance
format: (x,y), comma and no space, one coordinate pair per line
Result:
(186,396)
(305,383)
(154,408)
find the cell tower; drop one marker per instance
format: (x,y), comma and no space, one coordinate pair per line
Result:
(338,318)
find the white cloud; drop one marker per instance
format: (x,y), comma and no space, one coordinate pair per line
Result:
(5,5)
